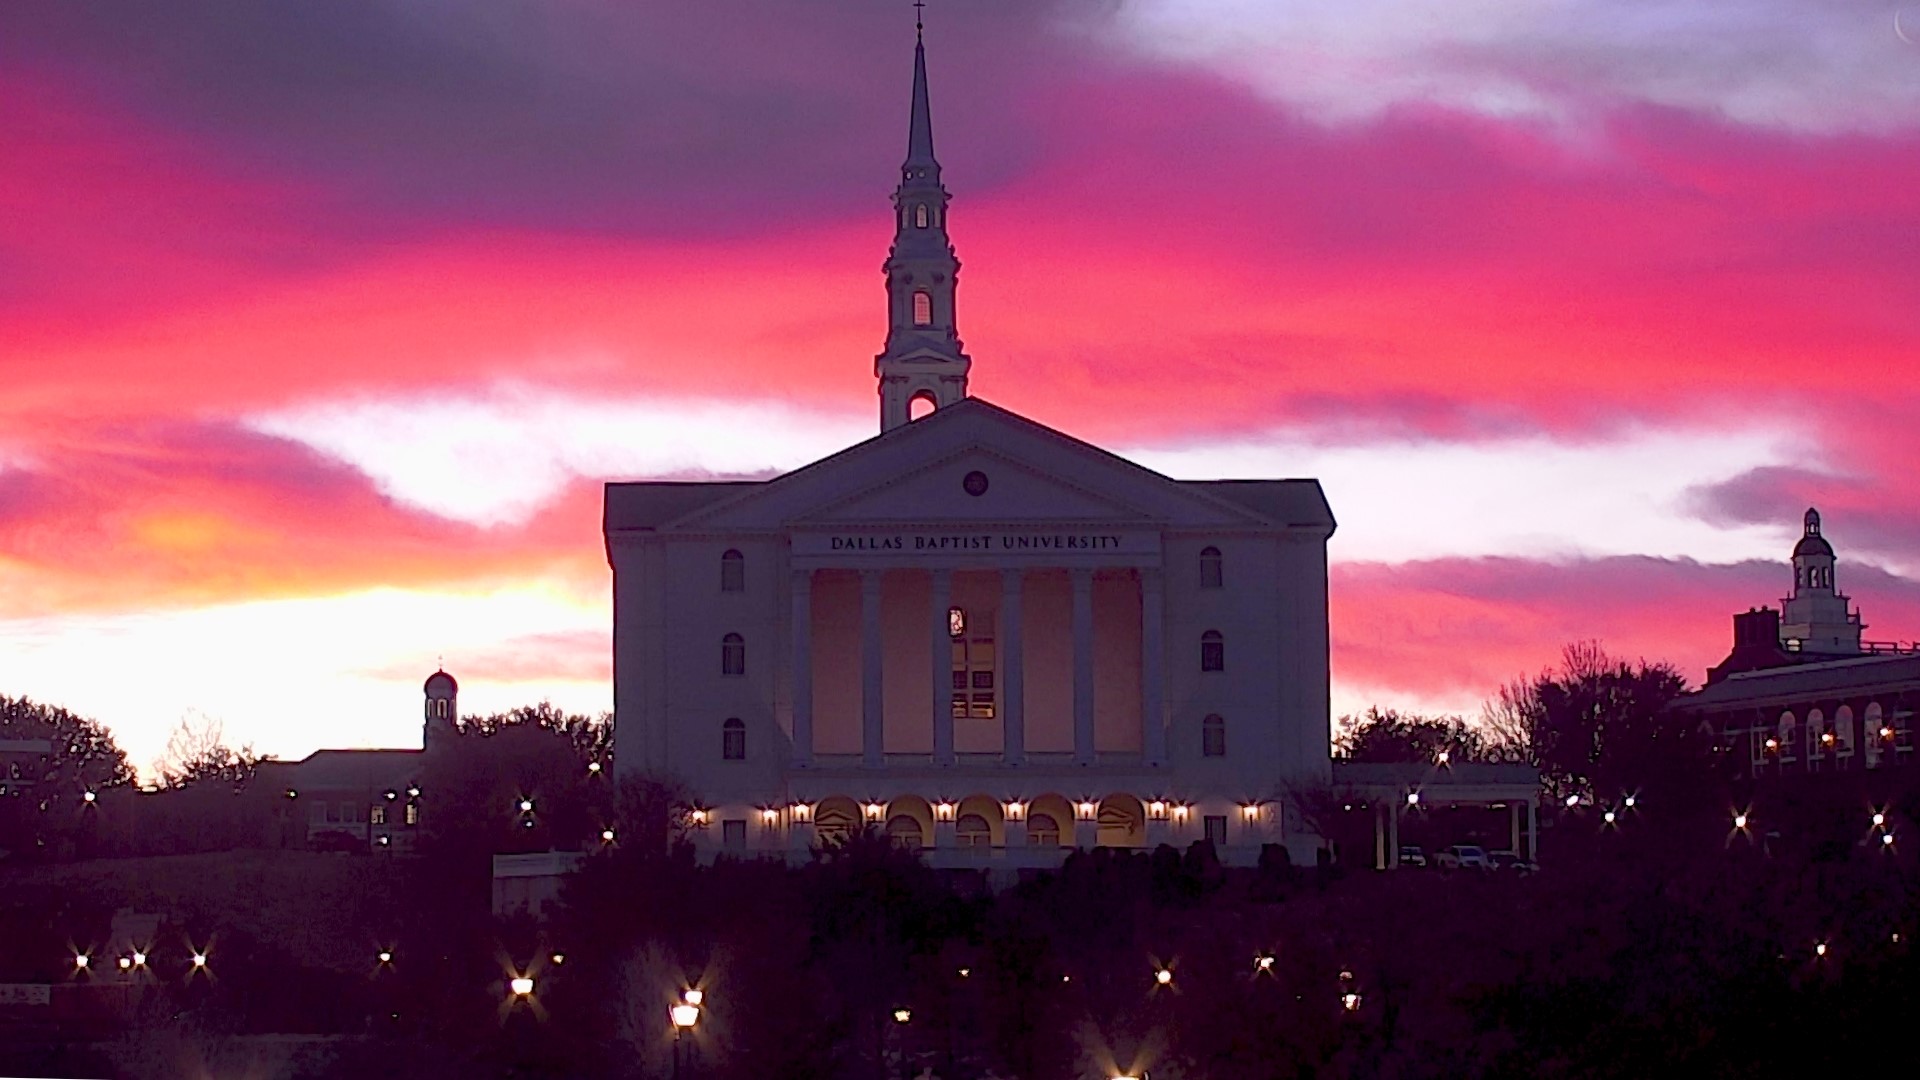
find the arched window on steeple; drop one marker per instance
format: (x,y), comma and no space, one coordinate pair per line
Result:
(733,740)
(733,571)
(922,308)
(733,655)
(920,216)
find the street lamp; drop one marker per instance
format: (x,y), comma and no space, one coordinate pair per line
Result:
(684,1016)
(521,985)
(694,998)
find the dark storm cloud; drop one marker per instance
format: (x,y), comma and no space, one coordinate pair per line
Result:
(658,117)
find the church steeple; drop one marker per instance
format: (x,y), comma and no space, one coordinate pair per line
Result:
(923,359)
(1817,618)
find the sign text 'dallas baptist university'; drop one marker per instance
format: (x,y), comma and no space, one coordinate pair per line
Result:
(908,546)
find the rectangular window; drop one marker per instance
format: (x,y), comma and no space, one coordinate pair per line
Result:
(1903,731)
(377,815)
(973,676)
(1759,752)
(1216,825)
(413,813)
(733,834)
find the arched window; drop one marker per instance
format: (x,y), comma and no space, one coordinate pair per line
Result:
(733,571)
(1213,651)
(733,740)
(1876,743)
(904,830)
(1843,732)
(920,216)
(1816,739)
(1042,831)
(733,655)
(1213,736)
(1789,736)
(972,831)
(922,308)
(1210,568)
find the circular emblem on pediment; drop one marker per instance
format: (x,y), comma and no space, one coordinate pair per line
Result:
(975,483)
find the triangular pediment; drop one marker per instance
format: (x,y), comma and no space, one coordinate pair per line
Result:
(978,483)
(918,472)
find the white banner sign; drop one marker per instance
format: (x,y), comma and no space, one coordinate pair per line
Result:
(1074,543)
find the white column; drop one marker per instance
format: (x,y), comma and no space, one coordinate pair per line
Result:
(942,643)
(1083,667)
(1013,675)
(872,700)
(802,679)
(1533,833)
(1153,718)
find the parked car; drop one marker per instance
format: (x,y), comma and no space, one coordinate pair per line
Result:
(1512,860)
(1411,855)
(338,841)
(1462,857)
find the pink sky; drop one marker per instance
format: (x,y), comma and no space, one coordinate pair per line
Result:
(321,325)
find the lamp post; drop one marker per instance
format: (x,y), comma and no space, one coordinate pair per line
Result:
(684,1016)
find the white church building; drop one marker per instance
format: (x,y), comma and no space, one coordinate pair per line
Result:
(986,637)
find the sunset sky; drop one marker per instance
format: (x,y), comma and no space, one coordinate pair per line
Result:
(322,324)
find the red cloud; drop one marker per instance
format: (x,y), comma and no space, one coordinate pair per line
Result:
(1458,628)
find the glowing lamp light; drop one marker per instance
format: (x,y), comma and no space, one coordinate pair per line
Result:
(1739,821)
(1163,977)
(769,815)
(1350,1001)
(82,961)
(1773,744)
(1251,811)
(526,806)
(1820,948)
(413,793)
(1016,810)
(693,997)
(1180,812)
(90,797)
(801,811)
(875,811)
(1573,800)
(1444,757)
(292,794)
(521,986)
(593,766)
(1879,819)
(1066,978)
(606,836)
(1886,840)
(199,959)
(385,841)
(1413,798)
(386,957)
(699,816)
(1126,1076)
(1608,817)
(684,1016)
(901,1016)
(559,958)
(139,959)
(1631,799)
(943,811)
(1886,733)
(1263,963)
(126,963)
(1087,810)
(1157,810)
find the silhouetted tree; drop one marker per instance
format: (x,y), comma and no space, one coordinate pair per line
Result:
(45,812)
(1598,725)
(197,752)
(1387,735)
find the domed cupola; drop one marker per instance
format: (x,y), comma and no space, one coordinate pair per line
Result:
(1817,618)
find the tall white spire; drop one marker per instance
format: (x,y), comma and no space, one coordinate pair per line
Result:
(923,359)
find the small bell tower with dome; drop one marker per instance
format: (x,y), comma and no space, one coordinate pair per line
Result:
(1817,618)
(442,707)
